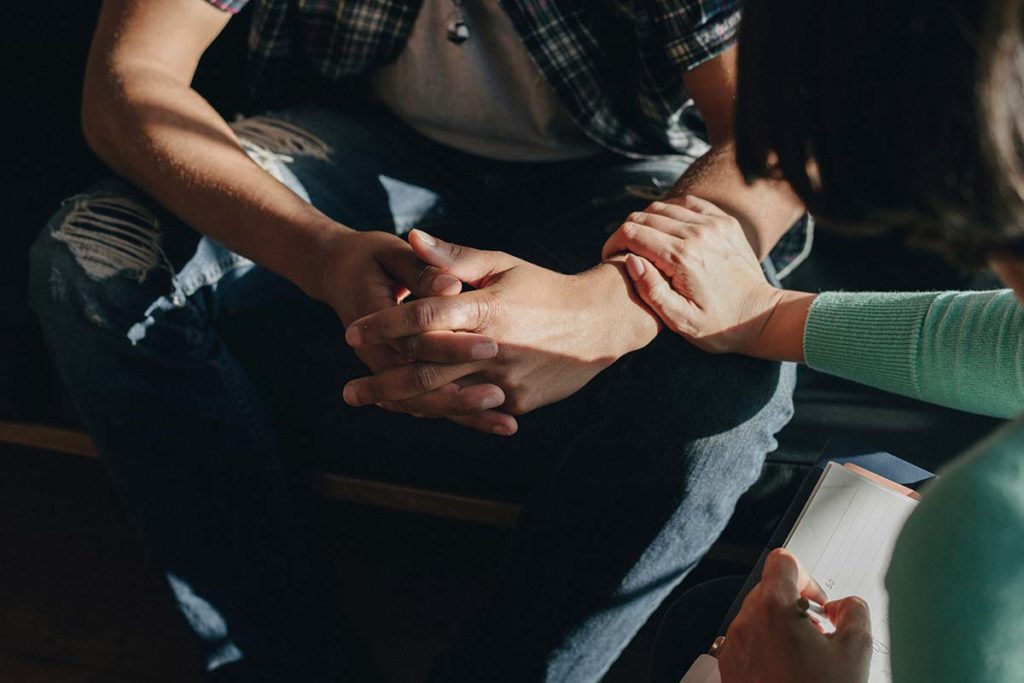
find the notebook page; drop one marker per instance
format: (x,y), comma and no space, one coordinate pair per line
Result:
(845,538)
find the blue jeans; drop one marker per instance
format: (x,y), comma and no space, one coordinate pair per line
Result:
(632,478)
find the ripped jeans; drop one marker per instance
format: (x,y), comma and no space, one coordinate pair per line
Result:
(151,327)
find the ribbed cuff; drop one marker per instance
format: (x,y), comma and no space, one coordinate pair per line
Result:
(868,337)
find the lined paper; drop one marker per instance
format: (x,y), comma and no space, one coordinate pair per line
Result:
(845,538)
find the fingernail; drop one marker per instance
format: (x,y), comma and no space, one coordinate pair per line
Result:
(484,350)
(634,267)
(492,400)
(354,336)
(502,430)
(443,282)
(350,395)
(427,239)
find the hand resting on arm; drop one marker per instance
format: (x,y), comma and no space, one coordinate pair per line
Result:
(692,264)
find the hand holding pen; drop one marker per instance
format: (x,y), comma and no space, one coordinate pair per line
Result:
(787,630)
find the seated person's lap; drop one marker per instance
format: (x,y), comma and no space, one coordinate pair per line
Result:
(629,481)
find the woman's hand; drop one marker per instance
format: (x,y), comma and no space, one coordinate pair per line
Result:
(692,264)
(770,641)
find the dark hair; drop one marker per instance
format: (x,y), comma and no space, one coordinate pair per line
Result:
(890,113)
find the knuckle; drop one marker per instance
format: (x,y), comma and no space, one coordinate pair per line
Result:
(424,377)
(422,316)
(677,258)
(455,251)
(637,217)
(859,604)
(483,312)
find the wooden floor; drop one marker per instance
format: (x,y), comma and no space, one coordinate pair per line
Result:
(79,604)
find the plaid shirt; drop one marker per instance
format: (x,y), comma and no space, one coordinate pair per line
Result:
(616,65)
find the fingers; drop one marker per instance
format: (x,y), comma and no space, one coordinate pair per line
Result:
(446,347)
(405,382)
(681,225)
(678,220)
(450,400)
(851,617)
(461,405)
(783,571)
(470,311)
(665,251)
(420,278)
(490,422)
(673,308)
(702,206)
(468,265)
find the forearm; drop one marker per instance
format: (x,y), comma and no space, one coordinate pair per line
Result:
(163,136)
(765,209)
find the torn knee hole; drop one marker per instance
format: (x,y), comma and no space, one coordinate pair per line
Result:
(113,235)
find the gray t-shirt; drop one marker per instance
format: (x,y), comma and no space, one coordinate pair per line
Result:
(486,96)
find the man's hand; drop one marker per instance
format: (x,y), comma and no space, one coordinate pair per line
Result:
(365,272)
(771,642)
(554,332)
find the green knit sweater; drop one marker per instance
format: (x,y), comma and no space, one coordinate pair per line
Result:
(956,581)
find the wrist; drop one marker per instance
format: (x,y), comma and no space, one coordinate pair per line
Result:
(329,245)
(781,336)
(622,321)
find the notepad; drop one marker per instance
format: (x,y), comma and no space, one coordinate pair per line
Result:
(844,537)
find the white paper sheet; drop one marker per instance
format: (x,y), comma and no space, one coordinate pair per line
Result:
(845,538)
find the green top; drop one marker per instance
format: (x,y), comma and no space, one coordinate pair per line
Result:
(956,581)
(963,350)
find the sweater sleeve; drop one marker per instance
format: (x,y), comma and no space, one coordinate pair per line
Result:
(963,350)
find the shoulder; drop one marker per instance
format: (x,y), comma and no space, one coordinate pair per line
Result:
(956,582)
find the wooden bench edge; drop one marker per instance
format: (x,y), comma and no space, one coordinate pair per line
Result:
(343,489)
(333,486)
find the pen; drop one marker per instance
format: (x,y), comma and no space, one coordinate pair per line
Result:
(816,613)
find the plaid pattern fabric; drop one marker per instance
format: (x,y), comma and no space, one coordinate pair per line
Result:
(615,64)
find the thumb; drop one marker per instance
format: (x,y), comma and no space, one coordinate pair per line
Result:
(467,264)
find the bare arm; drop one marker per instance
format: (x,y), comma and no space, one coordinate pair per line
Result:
(141,116)
(766,209)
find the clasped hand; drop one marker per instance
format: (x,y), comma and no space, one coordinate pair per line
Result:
(540,336)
